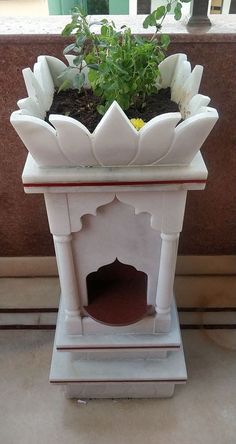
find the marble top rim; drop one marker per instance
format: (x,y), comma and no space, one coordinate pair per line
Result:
(34,176)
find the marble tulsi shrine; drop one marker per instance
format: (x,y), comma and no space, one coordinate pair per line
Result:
(115,202)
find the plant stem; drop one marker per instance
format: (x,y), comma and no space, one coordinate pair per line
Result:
(159,26)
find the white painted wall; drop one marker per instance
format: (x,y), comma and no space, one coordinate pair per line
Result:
(27,8)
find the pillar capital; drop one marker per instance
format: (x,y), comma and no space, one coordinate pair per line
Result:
(63,238)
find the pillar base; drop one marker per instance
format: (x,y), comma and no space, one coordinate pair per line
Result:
(162,322)
(73,323)
(199,20)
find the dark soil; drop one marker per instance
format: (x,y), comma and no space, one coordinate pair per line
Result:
(82,106)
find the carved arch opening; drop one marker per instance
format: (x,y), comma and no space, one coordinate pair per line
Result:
(117,294)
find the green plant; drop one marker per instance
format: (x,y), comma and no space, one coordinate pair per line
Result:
(121,66)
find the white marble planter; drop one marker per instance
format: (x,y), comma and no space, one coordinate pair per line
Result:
(101,215)
(114,142)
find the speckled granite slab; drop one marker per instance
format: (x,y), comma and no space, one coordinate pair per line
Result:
(221,25)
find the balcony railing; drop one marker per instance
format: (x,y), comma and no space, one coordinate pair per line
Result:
(198,10)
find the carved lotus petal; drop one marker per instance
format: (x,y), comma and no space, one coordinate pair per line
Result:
(30,107)
(115,138)
(115,141)
(44,78)
(189,137)
(39,138)
(155,138)
(34,90)
(190,89)
(167,68)
(182,73)
(197,102)
(56,67)
(74,140)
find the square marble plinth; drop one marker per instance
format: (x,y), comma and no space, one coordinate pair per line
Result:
(119,365)
(119,345)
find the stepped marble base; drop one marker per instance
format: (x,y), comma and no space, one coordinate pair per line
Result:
(120,390)
(119,366)
(136,378)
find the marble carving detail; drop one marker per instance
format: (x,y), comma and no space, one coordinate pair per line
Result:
(166,209)
(114,142)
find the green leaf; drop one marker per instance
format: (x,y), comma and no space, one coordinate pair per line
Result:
(68,48)
(68,29)
(126,87)
(79,10)
(146,22)
(112,87)
(80,39)
(165,40)
(152,19)
(168,6)
(64,86)
(104,30)
(77,50)
(92,75)
(78,60)
(139,39)
(102,45)
(159,12)
(101,109)
(66,70)
(124,101)
(94,66)
(121,70)
(79,80)
(177,11)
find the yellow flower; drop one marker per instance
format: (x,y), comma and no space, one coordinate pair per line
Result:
(137,123)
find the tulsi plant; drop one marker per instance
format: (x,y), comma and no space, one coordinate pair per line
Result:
(120,66)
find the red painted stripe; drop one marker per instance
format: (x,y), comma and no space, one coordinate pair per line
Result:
(120,348)
(62,381)
(104,184)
